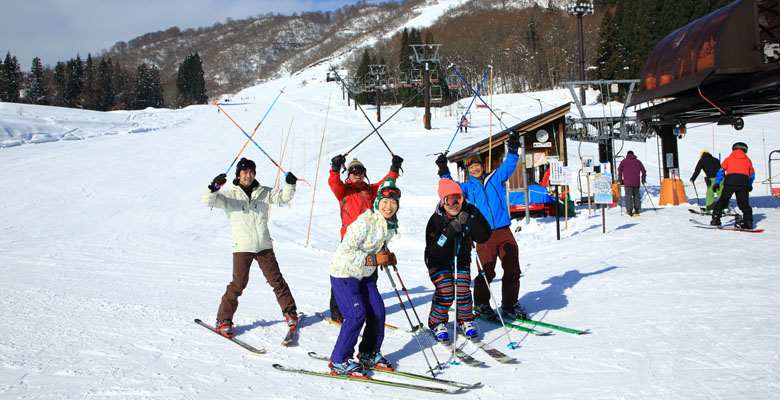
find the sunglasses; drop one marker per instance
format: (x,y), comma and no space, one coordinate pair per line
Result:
(392,192)
(453,199)
(357,171)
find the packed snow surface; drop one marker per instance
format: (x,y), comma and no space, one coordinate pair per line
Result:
(107,255)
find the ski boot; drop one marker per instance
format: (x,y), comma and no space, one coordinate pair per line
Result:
(746,224)
(516,311)
(348,368)
(440,331)
(375,360)
(225,328)
(715,218)
(291,319)
(486,312)
(469,329)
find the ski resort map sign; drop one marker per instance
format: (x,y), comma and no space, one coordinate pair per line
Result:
(602,189)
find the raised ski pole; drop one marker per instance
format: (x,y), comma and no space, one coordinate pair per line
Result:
(511,344)
(480,98)
(465,113)
(281,91)
(375,128)
(419,322)
(382,124)
(258,146)
(414,331)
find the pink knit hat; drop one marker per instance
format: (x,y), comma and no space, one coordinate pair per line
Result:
(448,187)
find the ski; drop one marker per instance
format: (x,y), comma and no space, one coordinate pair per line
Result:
(461,355)
(727,227)
(497,355)
(334,322)
(370,380)
(318,356)
(289,338)
(551,326)
(518,327)
(703,212)
(232,339)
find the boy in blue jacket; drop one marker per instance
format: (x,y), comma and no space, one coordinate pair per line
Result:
(488,193)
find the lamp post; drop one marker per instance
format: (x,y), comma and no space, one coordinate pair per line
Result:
(581,9)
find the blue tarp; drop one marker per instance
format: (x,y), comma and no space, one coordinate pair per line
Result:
(536,194)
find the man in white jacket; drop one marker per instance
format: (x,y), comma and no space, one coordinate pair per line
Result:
(246,204)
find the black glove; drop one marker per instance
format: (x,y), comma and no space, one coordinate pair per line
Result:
(217,183)
(441,162)
(513,143)
(454,227)
(644,180)
(750,188)
(396,163)
(336,163)
(691,180)
(716,187)
(290,178)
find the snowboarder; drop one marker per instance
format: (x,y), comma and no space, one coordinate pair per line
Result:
(355,196)
(737,174)
(452,228)
(628,176)
(488,193)
(246,204)
(353,273)
(710,165)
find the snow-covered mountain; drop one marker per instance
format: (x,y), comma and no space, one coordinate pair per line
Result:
(107,256)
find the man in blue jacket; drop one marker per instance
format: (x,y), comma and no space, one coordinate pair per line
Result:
(488,193)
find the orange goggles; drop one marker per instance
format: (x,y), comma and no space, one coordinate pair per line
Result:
(471,159)
(453,199)
(392,192)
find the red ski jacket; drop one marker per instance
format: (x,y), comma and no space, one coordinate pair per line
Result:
(354,199)
(738,170)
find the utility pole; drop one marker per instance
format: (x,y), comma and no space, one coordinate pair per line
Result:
(428,56)
(581,9)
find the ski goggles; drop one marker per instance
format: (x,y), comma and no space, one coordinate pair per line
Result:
(392,192)
(453,199)
(357,170)
(471,159)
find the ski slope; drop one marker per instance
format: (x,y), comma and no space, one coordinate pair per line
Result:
(107,256)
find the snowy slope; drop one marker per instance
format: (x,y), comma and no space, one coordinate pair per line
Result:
(107,255)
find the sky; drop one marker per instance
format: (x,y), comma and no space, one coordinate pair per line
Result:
(55,30)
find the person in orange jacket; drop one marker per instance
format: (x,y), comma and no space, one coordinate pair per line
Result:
(737,174)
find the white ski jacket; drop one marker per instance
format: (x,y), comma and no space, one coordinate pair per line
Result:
(249,217)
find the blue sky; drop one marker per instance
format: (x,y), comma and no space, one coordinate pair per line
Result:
(57,30)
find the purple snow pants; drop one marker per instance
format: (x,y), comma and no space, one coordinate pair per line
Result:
(359,301)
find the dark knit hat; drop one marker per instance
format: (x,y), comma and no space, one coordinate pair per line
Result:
(740,146)
(243,164)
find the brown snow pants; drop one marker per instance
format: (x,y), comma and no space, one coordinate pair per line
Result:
(241,265)
(502,244)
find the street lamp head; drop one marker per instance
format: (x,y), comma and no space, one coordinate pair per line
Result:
(581,8)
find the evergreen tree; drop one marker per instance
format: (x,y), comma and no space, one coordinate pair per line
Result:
(123,88)
(89,98)
(190,82)
(361,77)
(60,84)
(39,85)
(105,81)
(75,82)
(148,89)
(12,79)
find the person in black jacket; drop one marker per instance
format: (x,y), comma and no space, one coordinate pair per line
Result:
(452,228)
(710,165)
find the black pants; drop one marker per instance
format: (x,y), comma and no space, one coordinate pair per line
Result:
(743,201)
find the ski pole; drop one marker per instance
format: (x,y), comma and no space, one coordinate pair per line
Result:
(250,139)
(414,331)
(419,322)
(465,113)
(382,124)
(480,97)
(511,344)
(375,128)
(693,183)
(253,132)
(649,198)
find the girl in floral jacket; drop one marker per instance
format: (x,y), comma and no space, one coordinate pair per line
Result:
(353,273)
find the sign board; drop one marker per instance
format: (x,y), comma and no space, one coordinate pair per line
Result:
(587,164)
(602,189)
(537,144)
(606,168)
(539,159)
(559,175)
(669,160)
(529,160)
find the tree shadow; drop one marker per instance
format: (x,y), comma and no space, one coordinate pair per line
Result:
(553,297)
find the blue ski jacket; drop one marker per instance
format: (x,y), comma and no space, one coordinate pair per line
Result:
(489,194)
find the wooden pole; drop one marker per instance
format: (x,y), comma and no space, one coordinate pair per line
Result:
(284,149)
(316,172)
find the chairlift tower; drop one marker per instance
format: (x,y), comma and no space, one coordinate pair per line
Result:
(377,73)
(426,54)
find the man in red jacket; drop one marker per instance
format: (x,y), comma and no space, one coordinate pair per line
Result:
(355,196)
(737,174)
